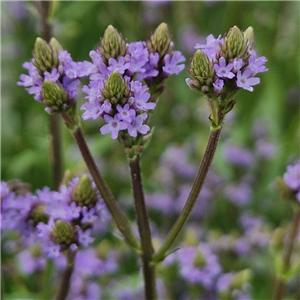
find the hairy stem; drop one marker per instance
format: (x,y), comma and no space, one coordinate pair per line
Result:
(293,232)
(194,193)
(144,228)
(65,284)
(118,216)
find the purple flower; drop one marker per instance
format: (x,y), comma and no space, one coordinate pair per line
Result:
(84,238)
(136,125)
(141,97)
(212,46)
(121,65)
(53,76)
(113,126)
(256,65)
(171,62)
(88,215)
(52,250)
(238,156)
(218,85)
(222,70)
(245,81)
(292,177)
(125,113)
(139,56)
(73,212)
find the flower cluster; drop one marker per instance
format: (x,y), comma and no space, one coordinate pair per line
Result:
(53,76)
(116,92)
(59,220)
(292,179)
(227,64)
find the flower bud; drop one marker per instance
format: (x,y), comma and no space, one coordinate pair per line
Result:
(46,55)
(249,36)
(202,73)
(83,194)
(63,233)
(199,260)
(55,97)
(160,41)
(113,44)
(235,45)
(240,278)
(285,192)
(37,214)
(116,89)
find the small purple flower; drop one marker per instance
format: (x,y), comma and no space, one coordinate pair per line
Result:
(141,97)
(84,238)
(121,65)
(212,46)
(53,76)
(237,64)
(292,177)
(52,250)
(245,81)
(125,113)
(136,125)
(171,62)
(222,70)
(113,126)
(89,216)
(218,85)
(73,212)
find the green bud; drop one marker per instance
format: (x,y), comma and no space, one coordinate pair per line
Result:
(249,36)
(160,41)
(55,97)
(68,176)
(113,44)
(240,278)
(63,233)
(199,260)
(116,89)
(277,239)
(56,48)
(202,73)
(235,45)
(285,192)
(83,193)
(37,214)
(46,54)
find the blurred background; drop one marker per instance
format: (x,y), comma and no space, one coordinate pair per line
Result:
(260,136)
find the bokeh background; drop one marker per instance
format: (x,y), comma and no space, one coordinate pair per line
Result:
(260,137)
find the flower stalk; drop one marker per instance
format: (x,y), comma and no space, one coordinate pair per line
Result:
(194,193)
(65,284)
(144,228)
(289,246)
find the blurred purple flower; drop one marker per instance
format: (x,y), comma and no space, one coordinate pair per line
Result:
(237,155)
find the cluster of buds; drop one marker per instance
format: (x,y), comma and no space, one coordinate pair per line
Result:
(223,66)
(116,92)
(53,76)
(60,220)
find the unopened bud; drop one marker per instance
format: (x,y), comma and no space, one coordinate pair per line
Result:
(37,214)
(285,192)
(113,44)
(235,45)
(249,36)
(83,194)
(55,97)
(199,260)
(56,48)
(240,278)
(160,41)
(116,89)
(63,233)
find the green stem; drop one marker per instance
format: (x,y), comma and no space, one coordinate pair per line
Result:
(144,228)
(194,193)
(118,216)
(293,232)
(65,284)
(46,292)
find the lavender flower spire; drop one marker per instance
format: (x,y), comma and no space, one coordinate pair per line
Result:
(223,66)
